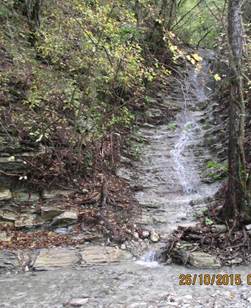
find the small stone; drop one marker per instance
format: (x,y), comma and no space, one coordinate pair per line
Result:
(154,237)
(145,234)
(136,235)
(123,247)
(235,261)
(85,191)
(65,219)
(203,260)
(187,297)
(5,194)
(248,227)
(249,299)
(4,237)
(62,231)
(219,228)
(78,302)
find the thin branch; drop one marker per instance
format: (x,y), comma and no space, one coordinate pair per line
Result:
(187,13)
(203,37)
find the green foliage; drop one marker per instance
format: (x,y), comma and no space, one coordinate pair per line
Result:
(172,126)
(74,80)
(208,221)
(206,18)
(217,171)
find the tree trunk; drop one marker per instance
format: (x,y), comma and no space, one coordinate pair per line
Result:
(168,13)
(31,9)
(236,192)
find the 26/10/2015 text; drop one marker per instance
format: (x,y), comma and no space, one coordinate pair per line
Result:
(214,279)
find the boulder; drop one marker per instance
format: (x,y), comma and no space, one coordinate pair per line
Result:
(203,260)
(65,219)
(55,258)
(102,254)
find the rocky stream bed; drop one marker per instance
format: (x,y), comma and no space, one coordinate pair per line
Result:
(173,187)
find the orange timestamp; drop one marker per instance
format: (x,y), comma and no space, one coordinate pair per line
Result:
(214,279)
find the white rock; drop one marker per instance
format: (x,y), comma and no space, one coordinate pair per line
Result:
(136,235)
(123,247)
(145,234)
(85,191)
(154,237)
(78,302)
(5,194)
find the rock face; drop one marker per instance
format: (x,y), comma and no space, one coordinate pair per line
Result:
(102,254)
(48,212)
(27,221)
(60,258)
(56,258)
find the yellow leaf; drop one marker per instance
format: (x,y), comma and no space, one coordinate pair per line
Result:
(217,77)
(197,57)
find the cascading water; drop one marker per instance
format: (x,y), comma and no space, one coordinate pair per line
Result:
(149,259)
(185,166)
(189,129)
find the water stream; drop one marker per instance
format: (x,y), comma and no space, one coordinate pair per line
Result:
(180,166)
(172,192)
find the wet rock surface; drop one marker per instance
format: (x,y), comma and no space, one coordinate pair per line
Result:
(169,195)
(121,285)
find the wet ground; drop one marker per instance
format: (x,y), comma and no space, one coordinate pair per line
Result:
(122,285)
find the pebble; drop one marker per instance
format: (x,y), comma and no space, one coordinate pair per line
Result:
(78,302)
(136,235)
(145,234)
(123,247)
(155,238)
